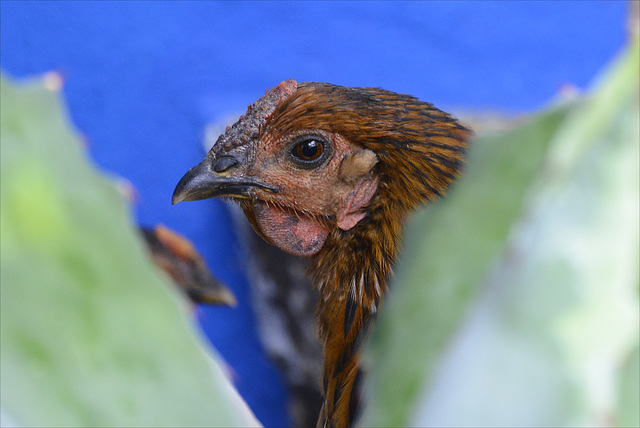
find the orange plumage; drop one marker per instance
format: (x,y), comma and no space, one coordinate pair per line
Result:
(331,172)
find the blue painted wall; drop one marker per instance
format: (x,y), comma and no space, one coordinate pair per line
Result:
(144,78)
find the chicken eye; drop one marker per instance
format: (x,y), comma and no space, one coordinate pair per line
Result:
(308,150)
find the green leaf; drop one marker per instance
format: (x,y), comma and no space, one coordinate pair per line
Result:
(516,301)
(629,391)
(91,333)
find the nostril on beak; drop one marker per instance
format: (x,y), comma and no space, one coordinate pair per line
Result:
(224,163)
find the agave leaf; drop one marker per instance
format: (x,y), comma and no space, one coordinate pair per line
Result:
(516,301)
(91,333)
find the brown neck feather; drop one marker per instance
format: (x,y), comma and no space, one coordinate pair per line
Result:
(351,272)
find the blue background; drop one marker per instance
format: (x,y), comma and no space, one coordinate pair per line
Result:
(143,80)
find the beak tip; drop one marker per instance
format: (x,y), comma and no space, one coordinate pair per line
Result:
(190,184)
(178,195)
(184,187)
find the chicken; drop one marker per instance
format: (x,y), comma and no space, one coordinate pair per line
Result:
(177,257)
(331,172)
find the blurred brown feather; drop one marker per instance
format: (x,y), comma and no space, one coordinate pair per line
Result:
(330,173)
(178,258)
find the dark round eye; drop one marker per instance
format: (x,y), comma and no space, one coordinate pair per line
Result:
(308,150)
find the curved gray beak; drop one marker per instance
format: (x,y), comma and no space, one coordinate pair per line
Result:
(202,182)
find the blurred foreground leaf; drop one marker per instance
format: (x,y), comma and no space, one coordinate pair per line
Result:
(90,333)
(516,301)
